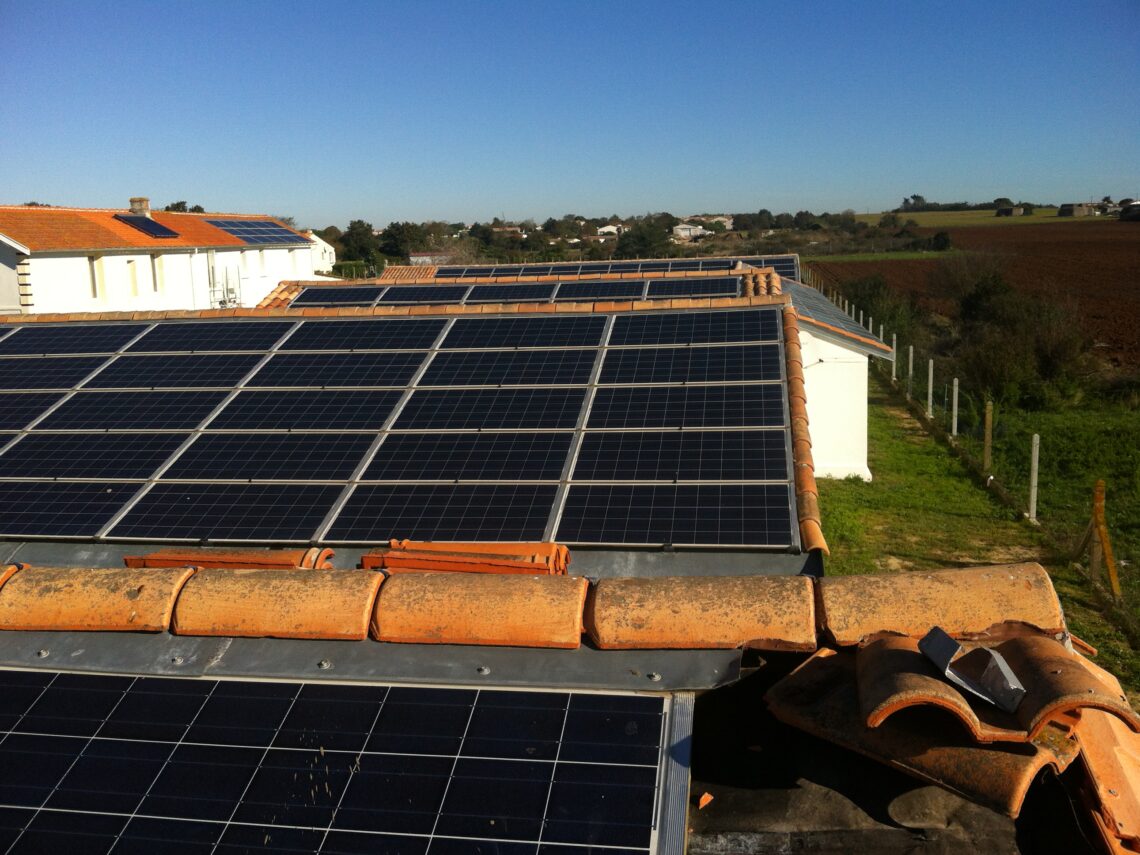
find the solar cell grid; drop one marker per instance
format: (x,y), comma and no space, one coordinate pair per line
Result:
(64,372)
(810,303)
(688,406)
(510,368)
(473,409)
(60,508)
(517,512)
(146,225)
(528,293)
(323,768)
(424,294)
(757,455)
(171,371)
(469,457)
(132,410)
(335,296)
(269,457)
(308,410)
(706,514)
(123,455)
(277,512)
(16,409)
(258,231)
(692,364)
(85,338)
(612,290)
(365,335)
(696,327)
(230,335)
(338,369)
(577,331)
(728,286)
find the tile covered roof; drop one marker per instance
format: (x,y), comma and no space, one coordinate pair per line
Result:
(44,229)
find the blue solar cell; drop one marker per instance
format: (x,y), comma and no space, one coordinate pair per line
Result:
(146,225)
(335,296)
(258,231)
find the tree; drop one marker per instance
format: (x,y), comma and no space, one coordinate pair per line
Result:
(400,239)
(286,221)
(804,220)
(180,207)
(1003,202)
(889,221)
(646,239)
(359,243)
(783,221)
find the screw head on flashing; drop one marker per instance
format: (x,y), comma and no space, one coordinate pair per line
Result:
(177,660)
(324,664)
(42,653)
(654,677)
(483,670)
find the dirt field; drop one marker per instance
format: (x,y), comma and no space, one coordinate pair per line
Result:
(1092,266)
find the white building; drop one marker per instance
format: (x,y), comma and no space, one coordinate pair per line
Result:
(106,260)
(688,231)
(324,256)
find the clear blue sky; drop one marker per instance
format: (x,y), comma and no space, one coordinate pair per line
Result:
(470,110)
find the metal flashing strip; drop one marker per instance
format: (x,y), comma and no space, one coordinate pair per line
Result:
(162,654)
(673,816)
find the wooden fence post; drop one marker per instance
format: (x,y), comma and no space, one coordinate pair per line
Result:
(988,442)
(1033,457)
(1101,534)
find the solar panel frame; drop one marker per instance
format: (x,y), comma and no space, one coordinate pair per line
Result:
(193,337)
(376,369)
(61,372)
(219,456)
(103,456)
(660,289)
(74,339)
(365,334)
(697,455)
(730,406)
(509,368)
(697,327)
(60,509)
(530,292)
(724,364)
(258,232)
(172,371)
(146,225)
(423,294)
(309,409)
(617,289)
(138,410)
(490,456)
(18,409)
(501,333)
(519,408)
(331,295)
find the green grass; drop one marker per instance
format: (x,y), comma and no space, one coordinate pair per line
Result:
(949,219)
(922,511)
(882,256)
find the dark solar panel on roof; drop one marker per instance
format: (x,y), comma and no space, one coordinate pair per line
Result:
(692,364)
(445,512)
(146,225)
(58,373)
(258,231)
(696,327)
(529,293)
(707,514)
(17,410)
(473,409)
(717,286)
(338,369)
(307,410)
(616,289)
(212,335)
(172,371)
(78,338)
(60,508)
(812,304)
(100,763)
(133,410)
(268,457)
(278,512)
(365,335)
(424,294)
(510,368)
(688,406)
(577,331)
(757,455)
(336,296)
(104,455)
(470,457)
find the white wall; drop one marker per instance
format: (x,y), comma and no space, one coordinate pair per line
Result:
(9,283)
(170,280)
(835,379)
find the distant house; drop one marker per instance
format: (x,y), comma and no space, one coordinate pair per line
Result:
(614,229)
(1009,212)
(133,259)
(324,256)
(723,219)
(1076,209)
(688,231)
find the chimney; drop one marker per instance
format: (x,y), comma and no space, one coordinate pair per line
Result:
(140,206)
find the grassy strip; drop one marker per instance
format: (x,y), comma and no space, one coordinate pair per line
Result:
(949,219)
(923,511)
(882,256)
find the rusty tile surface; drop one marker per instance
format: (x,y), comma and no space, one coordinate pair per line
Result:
(964,603)
(1110,759)
(821,698)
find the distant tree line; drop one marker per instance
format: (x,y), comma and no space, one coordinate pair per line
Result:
(916,204)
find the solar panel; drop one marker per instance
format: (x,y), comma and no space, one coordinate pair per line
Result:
(683,456)
(335,296)
(510,368)
(60,508)
(231,335)
(811,304)
(16,409)
(365,335)
(132,410)
(269,457)
(146,225)
(444,512)
(96,763)
(93,338)
(688,406)
(692,364)
(740,515)
(578,331)
(424,294)
(338,369)
(448,271)
(128,372)
(122,455)
(472,409)
(59,373)
(308,410)
(728,286)
(615,290)
(696,327)
(511,293)
(469,457)
(535,270)
(277,512)
(258,231)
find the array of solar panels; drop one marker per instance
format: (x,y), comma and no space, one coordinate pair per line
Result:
(527,292)
(142,765)
(635,428)
(146,225)
(785,265)
(810,303)
(257,231)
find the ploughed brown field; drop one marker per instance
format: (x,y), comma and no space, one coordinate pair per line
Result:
(1093,268)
